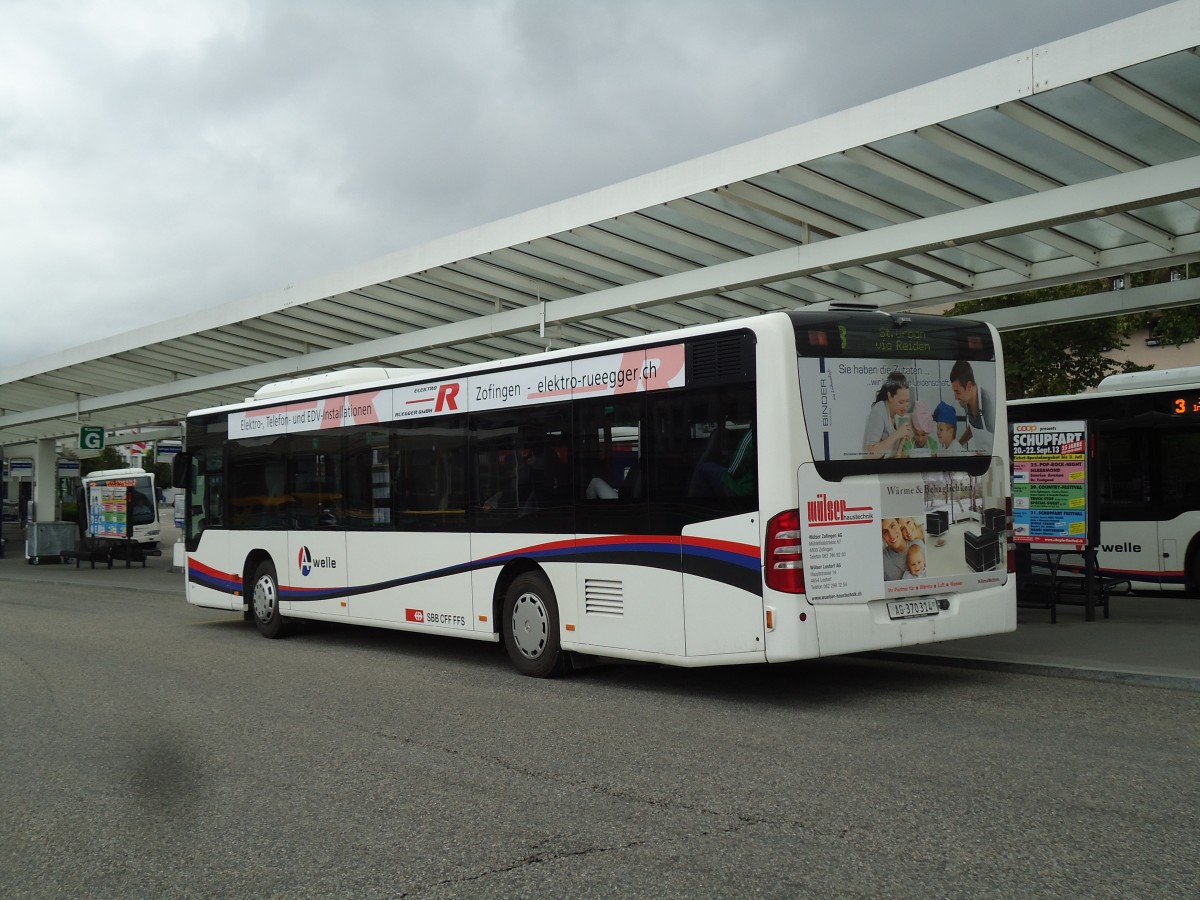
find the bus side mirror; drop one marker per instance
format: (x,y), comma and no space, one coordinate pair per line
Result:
(179,470)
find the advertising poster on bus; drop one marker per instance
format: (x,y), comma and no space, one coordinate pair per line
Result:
(1050,483)
(872,408)
(930,532)
(932,529)
(631,372)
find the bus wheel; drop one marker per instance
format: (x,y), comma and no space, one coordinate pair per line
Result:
(264,600)
(530,626)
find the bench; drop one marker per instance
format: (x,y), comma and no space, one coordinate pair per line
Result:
(1072,590)
(1046,585)
(106,550)
(132,552)
(92,550)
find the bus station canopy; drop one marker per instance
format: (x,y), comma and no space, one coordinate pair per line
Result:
(1072,161)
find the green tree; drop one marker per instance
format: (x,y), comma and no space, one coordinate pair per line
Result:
(109,458)
(1055,359)
(162,472)
(1177,326)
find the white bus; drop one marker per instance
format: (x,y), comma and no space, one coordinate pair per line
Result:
(1145,440)
(760,490)
(143,502)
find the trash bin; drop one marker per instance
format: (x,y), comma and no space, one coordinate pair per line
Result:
(46,540)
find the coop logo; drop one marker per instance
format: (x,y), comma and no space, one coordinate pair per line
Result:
(307,563)
(1025,429)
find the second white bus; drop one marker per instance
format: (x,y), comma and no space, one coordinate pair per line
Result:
(143,522)
(1145,440)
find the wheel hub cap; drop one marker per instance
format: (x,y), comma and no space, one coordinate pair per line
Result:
(530,625)
(264,599)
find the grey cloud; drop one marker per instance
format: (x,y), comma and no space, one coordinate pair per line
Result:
(297,137)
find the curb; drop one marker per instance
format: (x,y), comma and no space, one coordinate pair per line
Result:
(1045,670)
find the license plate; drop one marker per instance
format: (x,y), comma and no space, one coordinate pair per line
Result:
(909,609)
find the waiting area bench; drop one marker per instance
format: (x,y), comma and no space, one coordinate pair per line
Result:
(1043,583)
(107,550)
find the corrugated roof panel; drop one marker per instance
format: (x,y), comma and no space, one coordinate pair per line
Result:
(1111,122)
(1171,79)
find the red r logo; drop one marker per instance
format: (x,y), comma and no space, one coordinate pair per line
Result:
(446,396)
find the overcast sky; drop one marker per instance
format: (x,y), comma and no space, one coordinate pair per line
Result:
(163,156)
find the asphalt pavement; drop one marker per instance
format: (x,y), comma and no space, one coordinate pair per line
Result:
(1149,638)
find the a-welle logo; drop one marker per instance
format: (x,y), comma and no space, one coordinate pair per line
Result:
(307,562)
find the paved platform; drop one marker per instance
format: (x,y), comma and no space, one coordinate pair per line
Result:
(1150,639)
(158,576)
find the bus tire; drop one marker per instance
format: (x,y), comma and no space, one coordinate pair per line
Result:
(1192,573)
(264,601)
(529,624)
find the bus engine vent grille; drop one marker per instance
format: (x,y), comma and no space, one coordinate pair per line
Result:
(719,359)
(603,597)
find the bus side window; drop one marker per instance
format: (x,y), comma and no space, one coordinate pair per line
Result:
(695,469)
(722,429)
(1176,467)
(313,492)
(368,483)
(1121,476)
(609,448)
(429,469)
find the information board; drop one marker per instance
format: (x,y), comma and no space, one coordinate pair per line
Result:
(108,511)
(1050,484)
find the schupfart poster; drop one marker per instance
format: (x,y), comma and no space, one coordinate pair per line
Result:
(108,511)
(1050,483)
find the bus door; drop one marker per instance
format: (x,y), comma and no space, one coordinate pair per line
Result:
(211,563)
(722,586)
(722,566)
(1131,549)
(315,509)
(1124,469)
(316,573)
(715,486)
(628,580)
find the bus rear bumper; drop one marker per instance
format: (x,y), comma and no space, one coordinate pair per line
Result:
(854,628)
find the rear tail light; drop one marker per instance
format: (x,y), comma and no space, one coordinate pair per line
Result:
(783,556)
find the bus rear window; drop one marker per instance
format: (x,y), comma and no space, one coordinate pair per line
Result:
(900,394)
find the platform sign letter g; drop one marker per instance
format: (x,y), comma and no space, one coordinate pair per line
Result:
(91,438)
